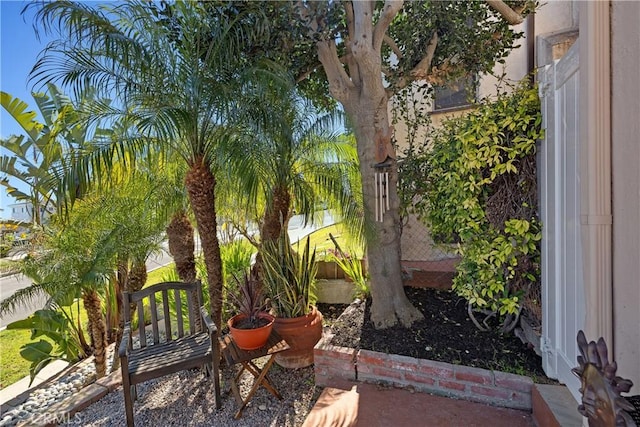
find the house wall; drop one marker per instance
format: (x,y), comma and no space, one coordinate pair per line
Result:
(625,115)
(21,211)
(552,16)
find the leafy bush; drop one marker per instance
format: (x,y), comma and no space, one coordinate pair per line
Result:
(58,328)
(481,191)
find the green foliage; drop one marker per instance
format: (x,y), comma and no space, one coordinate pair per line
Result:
(289,277)
(481,191)
(55,326)
(352,267)
(236,258)
(248,297)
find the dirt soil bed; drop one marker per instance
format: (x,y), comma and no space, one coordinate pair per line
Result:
(446,334)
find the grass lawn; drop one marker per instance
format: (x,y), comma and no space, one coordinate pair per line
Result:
(7,265)
(12,366)
(322,242)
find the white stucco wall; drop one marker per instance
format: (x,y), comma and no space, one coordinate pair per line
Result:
(625,116)
(552,16)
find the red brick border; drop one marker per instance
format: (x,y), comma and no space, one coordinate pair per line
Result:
(333,363)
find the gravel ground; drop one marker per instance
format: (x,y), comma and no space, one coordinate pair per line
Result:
(187,399)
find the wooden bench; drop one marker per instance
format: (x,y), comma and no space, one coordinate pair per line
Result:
(185,344)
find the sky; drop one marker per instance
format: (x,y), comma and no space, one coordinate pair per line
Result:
(19,49)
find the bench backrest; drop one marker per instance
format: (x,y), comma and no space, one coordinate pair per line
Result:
(174,307)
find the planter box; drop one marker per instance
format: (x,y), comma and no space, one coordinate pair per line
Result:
(331,271)
(336,291)
(333,363)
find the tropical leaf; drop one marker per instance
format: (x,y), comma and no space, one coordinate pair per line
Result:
(26,119)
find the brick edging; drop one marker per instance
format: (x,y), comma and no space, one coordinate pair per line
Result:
(335,363)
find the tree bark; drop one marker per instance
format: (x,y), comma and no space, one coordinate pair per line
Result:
(181,246)
(389,302)
(97,329)
(365,101)
(276,217)
(200,184)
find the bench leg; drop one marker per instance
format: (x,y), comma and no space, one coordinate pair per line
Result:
(128,401)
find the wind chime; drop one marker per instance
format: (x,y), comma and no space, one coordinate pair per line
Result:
(382,191)
(385,155)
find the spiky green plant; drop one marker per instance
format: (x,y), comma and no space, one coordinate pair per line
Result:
(289,277)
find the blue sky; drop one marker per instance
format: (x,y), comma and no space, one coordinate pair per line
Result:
(19,50)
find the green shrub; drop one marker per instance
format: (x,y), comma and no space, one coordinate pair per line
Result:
(480,191)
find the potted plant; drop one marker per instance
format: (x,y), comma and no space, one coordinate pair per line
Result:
(289,279)
(251,327)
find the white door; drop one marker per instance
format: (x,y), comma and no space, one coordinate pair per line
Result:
(562,283)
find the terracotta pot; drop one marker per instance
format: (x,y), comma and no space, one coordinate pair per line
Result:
(302,334)
(250,339)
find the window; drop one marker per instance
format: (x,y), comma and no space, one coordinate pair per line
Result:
(459,93)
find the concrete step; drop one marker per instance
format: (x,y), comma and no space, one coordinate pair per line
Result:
(554,406)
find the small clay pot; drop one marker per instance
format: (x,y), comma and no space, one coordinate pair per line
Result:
(250,339)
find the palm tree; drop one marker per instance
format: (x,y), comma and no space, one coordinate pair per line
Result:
(79,255)
(174,72)
(296,161)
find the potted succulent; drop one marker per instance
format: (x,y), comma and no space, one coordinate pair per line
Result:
(289,280)
(251,327)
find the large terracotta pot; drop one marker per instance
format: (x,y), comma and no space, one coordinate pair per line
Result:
(250,339)
(302,334)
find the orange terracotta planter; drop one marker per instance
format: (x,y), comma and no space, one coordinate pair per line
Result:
(250,339)
(302,334)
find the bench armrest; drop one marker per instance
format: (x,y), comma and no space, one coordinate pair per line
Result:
(208,323)
(123,350)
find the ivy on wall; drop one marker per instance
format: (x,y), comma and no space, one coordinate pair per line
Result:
(478,189)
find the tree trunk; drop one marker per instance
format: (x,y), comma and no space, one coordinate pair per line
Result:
(137,276)
(276,216)
(200,184)
(98,331)
(360,89)
(181,246)
(389,302)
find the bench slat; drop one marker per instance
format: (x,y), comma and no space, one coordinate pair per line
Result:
(141,334)
(179,313)
(154,318)
(167,318)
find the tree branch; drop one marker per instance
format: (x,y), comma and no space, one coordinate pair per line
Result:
(340,84)
(394,47)
(421,70)
(389,12)
(510,15)
(351,63)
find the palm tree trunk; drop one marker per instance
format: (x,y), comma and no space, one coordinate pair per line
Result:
(181,246)
(276,216)
(200,184)
(98,330)
(137,276)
